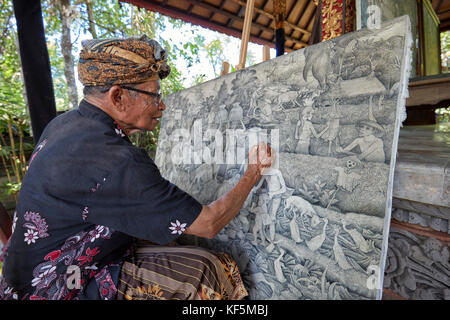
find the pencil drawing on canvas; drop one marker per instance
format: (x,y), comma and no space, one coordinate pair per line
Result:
(314,225)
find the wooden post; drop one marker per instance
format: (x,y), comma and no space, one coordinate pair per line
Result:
(246,34)
(266,53)
(279,11)
(316,34)
(225,68)
(35,64)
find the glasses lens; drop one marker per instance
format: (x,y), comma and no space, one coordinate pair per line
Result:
(157,99)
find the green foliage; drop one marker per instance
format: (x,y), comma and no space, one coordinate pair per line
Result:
(14,121)
(110,19)
(58,77)
(88,19)
(11,85)
(214,50)
(445,51)
(443,115)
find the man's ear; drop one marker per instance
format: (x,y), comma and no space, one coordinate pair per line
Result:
(115,97)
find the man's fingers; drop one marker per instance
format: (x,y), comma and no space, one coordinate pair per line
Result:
(261,154)
(253,155)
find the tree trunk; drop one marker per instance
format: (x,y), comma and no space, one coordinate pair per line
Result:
(66,48)
(90,14)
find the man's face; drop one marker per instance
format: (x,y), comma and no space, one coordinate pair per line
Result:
(143,111)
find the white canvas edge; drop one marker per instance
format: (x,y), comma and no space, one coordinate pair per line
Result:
(400,117)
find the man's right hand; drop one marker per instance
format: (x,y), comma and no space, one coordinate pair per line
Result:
(260,158)
(215,216)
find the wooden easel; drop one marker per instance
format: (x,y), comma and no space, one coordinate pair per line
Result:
(246,33)
(249,9)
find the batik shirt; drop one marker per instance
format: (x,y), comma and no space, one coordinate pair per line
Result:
(87,196)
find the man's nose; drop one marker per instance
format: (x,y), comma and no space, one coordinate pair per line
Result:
(162,106)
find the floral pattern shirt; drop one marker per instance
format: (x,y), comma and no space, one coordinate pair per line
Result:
(87,196)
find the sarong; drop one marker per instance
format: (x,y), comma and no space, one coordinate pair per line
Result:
(157,272)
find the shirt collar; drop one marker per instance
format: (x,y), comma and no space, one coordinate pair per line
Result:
(89,110)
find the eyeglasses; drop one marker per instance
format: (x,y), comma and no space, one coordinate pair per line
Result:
(153,94)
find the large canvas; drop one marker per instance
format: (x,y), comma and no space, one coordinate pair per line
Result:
(316,225)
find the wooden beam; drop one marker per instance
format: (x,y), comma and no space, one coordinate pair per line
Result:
(423,231)
(198,20)
(239,19)
(316,34)
(267,26)
(202,21)
(246,33)
(438,7)
(391,295)
(271,16)
(428,92)
(290,13)
(313,16)
(240,13)
(302,13)
(299,18)
(258,14)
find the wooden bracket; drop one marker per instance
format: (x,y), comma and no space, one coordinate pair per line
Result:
(225,68)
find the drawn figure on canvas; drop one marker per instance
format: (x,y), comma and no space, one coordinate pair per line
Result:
(333,124)
(259,208)
(177,115)
(318,63)
(261,103)
(255,100)
(276,190)
(266,109)
(162,157)
(236,116)
(211,119)
(304,129)
(370,145)
(347,179)
(277,267)
(332,134)
(222,116)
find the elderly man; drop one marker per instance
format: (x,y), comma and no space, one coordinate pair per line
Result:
(89,194)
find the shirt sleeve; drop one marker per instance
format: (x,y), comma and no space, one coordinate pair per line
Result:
(136,200)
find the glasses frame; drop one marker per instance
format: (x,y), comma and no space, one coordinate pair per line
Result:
(153,94)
